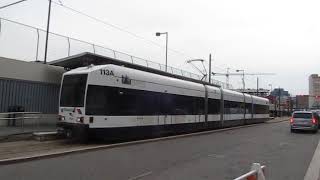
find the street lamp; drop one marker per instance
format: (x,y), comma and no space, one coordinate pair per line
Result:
(166,33)
(243,83)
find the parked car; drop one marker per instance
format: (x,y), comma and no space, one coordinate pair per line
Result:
(304,120)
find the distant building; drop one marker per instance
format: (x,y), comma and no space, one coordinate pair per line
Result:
(314,90)
(302,101)
(281,97)
(279,92)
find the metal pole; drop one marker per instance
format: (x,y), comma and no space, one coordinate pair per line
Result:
(257,86)
(47,36)
(94,49)
(244,86)
(0,26)
(68,47)
(114,54)
(227,78)
(166,50)
(279,96)
(209,68)
(37,44)
(131,59)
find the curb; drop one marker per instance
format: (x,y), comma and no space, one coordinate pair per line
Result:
(313,171)
(100,147)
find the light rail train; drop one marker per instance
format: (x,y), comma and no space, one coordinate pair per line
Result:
(113,102)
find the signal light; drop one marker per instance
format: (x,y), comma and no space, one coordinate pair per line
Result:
(314,121)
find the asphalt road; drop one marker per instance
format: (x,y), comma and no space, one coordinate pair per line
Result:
(221,155)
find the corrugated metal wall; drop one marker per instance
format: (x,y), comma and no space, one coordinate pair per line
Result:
(33,96)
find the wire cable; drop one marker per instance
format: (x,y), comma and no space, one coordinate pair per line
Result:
(125,31)
(117,27)
(11,4)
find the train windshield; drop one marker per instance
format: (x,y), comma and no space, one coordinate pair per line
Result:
(73,90)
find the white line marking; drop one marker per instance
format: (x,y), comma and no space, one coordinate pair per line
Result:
(314,167)
(141,175)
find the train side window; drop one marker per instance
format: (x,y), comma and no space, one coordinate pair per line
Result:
(213,106)
(114,101)
(232,107)
(96,101)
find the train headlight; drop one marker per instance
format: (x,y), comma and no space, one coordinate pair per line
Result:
(80,119)
(61,118)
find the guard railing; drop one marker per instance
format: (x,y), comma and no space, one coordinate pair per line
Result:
(22,122)
(257,173)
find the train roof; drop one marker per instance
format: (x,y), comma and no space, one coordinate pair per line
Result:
(226,92)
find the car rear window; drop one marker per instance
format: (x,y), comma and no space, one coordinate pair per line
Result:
(302,115)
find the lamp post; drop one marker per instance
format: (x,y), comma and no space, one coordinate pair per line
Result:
(166,33)
(243,83)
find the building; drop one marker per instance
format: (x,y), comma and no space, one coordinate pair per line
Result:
(31,86)
(314,90)
(302,102)
(279,92)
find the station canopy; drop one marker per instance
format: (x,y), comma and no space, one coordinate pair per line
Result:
(87,58)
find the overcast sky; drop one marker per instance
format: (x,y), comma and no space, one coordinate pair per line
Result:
(278,36)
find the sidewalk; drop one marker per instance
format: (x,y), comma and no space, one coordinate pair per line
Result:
(5,131)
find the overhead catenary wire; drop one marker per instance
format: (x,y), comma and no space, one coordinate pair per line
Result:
(117,27)
(123,30)
(11,4)
(59,3)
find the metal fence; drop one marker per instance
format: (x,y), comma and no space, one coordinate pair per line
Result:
(32,39)
(25,122)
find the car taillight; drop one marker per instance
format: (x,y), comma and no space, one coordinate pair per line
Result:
(314,121)
(291,120)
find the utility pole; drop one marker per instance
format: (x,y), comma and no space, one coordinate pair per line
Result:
(279,101)
(209,68)
(47,35)
(227,78)
(257,86)
(167,51)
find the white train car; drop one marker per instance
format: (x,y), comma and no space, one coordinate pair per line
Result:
(115,102)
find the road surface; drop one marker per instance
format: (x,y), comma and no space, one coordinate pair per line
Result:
(220,155)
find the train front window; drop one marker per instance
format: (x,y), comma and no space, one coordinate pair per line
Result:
(73,90)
